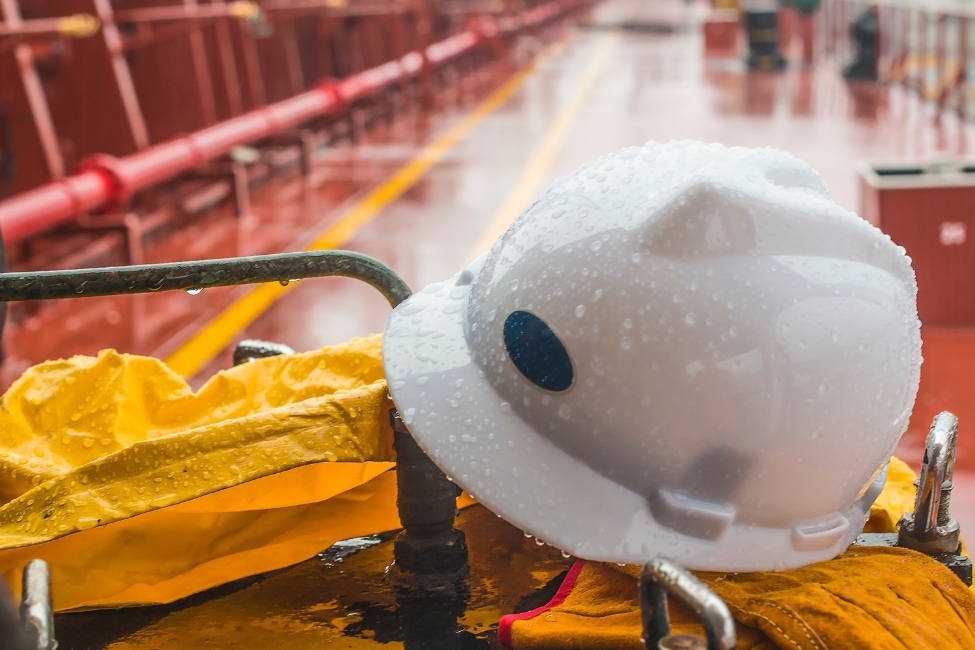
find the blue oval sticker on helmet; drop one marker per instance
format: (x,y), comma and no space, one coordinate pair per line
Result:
(537,352)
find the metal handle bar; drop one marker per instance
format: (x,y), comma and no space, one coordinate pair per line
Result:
(662,576)
(193,276)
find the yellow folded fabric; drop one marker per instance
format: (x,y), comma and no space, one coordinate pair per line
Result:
(173,552)
(868,597)
(88,443)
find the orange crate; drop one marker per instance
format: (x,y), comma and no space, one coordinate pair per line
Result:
(930,211)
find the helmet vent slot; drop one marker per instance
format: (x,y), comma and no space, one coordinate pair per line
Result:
(691,516)
(819,534)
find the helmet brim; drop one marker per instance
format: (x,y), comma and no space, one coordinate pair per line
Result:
(483,445)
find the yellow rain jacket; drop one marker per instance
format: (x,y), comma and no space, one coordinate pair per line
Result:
(868,597)
(136,490)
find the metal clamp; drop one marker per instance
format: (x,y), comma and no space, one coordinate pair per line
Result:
(930,529)
(661,577)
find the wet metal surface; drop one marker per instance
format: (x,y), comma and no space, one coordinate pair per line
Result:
(346,598)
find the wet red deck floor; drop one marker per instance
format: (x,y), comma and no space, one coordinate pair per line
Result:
(652,86)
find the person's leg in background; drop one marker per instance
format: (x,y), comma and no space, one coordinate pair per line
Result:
(806,19)
(787,20)
(807,32)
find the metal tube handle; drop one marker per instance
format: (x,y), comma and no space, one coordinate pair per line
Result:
(661,577)
(194,276)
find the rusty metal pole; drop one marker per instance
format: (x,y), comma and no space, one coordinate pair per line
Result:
(228,67)
(252,64)
(201,69)
(424,27)
(292,57)
(36,99)
(429,550)
(123,76)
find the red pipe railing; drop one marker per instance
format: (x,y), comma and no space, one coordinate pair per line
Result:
(106,181)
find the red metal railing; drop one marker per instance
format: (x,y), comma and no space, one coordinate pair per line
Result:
(105,181)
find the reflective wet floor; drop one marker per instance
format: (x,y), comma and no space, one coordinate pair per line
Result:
(347,597)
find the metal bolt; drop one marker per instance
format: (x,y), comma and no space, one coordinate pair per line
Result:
(943,506)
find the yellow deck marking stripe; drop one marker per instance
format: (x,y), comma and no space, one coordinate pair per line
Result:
(537,166)
(203,346)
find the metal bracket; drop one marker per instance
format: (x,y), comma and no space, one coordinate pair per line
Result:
(661,577)
(930,529)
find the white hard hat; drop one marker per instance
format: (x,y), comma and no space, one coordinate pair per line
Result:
(680,349)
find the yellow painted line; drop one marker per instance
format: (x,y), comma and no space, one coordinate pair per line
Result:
(193,355)
(533,173)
